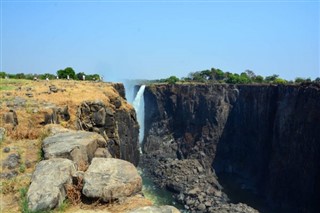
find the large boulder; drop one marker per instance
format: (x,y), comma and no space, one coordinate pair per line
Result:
(47,184)
(111,179)
(155,209)
(79,146)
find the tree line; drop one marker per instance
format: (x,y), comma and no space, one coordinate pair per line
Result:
(218,76)
(67,73)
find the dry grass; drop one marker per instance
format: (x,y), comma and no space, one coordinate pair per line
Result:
(118,207)
(74,190)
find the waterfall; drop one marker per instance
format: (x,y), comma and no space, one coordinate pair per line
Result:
(138,105)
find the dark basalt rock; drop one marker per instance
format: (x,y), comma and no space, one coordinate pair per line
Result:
(196,188)
(120,89)
(118,126)
(268,135)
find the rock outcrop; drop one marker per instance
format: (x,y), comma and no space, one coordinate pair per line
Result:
(79,146)
(265,134)
(120,89)
(116,124)
(11,118)
(111,179)
(47,189)
(58,113)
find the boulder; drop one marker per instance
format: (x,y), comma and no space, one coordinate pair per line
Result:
(12,161)
(58,113)
(155,209)
(78,146)
(6,149)
(111,179)
(10,118)
(17,102)
(47,184)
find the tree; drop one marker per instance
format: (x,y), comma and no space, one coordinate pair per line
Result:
(197,76)
(258,79)
(172,79)
(299,80)
(317,80)
(271,78)
(93,77)
(80,75)
(217,74)
(244,78)
(20,76)
(46,75)
(280,81)
(3,74)
(66,72)
(250,74)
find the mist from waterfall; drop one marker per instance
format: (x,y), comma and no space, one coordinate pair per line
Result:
(138,105)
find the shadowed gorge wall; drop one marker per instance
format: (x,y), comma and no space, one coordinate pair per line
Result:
(268,135)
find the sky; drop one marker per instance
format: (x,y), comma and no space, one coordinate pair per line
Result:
(158,39)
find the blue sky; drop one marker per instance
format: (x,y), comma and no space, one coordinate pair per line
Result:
(154,39)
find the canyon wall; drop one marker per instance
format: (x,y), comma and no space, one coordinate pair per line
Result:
(265,136)
(116,121)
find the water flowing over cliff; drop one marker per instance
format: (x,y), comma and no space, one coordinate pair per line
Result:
(265,137)
(138,105)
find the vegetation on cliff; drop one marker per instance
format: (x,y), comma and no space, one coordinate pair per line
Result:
(218,76)
(61,74)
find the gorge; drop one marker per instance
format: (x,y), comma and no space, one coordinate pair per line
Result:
(214,147)
(261,139)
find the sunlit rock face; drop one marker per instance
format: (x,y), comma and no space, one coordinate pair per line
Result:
(267,136)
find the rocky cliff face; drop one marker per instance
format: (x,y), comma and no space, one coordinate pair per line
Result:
(115,121)
(265,136)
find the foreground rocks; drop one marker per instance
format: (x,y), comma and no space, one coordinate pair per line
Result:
(71,166)
(111,179)
(106,179)
(47,189)
(79,146)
